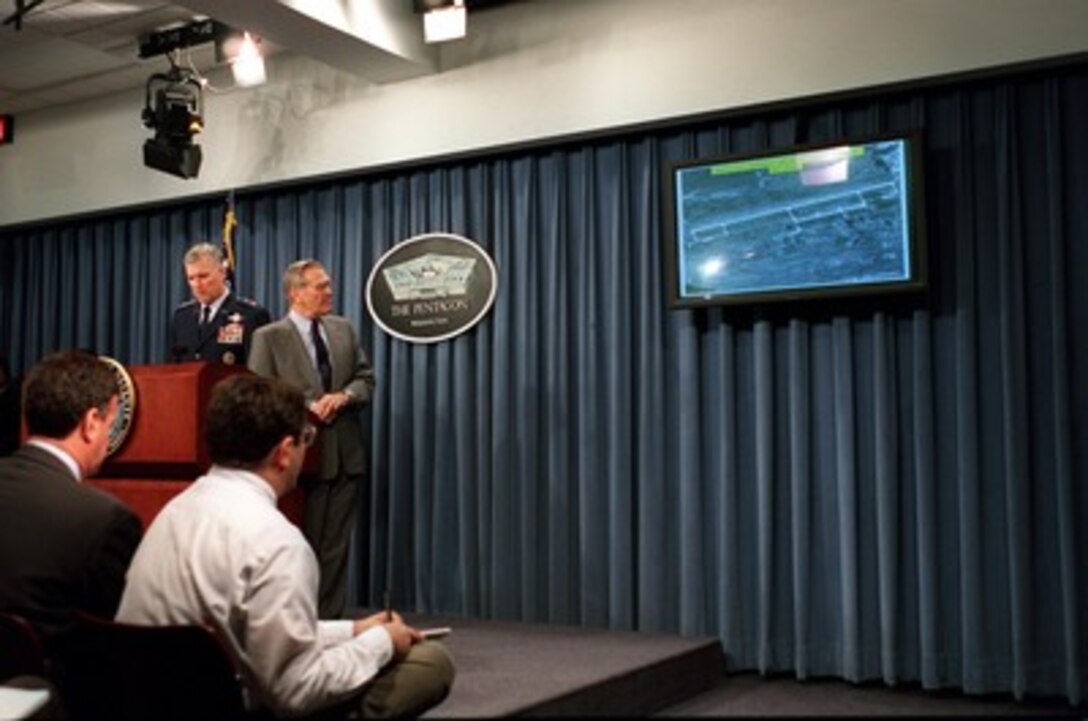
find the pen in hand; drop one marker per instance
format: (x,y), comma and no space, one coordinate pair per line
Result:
(387,604)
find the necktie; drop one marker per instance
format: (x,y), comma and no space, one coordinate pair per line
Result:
(207,315)
(324,368)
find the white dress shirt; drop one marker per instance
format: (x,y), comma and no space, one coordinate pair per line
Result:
(302,324)
(222,553)
(215,305)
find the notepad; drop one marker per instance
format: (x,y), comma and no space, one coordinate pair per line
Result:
(16,703)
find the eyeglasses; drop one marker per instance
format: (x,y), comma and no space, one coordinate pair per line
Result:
(309,434)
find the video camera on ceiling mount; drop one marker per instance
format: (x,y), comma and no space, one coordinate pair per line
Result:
(174,109)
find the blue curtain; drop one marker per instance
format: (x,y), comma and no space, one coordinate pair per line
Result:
(867,490)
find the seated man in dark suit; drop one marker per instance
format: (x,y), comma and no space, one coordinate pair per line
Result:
(63,545)
(215,325)
(9,409)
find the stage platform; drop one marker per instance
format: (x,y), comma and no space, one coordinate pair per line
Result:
(518,669)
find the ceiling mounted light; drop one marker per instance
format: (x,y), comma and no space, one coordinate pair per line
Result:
(174,109)
(246,63)
(240,50)
(442,19)
(171,39)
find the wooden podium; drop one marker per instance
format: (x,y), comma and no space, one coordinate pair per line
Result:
(164,451)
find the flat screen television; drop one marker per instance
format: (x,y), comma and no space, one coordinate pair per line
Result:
(828,220)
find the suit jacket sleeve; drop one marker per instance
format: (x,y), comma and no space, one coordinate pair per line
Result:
(260,354)
(361,384)
(104,573)
(277,352)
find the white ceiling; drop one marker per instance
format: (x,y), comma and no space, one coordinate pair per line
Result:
(71,50)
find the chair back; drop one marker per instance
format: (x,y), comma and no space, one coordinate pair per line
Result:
(21,650)
(123,671)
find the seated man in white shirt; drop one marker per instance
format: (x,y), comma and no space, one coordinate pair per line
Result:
(222,553)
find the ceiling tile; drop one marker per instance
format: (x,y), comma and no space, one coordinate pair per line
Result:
(50,61)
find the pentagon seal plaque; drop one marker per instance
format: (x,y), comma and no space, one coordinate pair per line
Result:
(431,287)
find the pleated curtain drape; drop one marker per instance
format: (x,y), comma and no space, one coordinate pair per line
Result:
(864,490)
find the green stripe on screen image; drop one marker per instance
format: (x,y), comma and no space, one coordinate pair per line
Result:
(774,166)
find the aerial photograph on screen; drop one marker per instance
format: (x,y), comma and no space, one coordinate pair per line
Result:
(825,218)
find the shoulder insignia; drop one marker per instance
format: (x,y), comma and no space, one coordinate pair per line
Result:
(187,304)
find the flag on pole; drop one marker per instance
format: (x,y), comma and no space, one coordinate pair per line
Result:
(230,221)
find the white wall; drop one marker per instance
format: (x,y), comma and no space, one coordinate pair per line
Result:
(530,69)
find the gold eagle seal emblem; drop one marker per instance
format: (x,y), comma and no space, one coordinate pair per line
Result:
(126,407)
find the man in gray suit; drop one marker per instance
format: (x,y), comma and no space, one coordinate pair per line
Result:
(319,353)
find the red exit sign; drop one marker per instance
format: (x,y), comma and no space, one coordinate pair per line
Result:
(7,129)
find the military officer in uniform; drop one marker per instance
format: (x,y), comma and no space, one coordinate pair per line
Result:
(215,325)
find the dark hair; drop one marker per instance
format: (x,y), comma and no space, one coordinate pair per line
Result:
(62,388)
(248,415)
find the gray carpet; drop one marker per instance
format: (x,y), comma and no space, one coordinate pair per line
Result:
(750,694)
(517,669)
(506,669)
